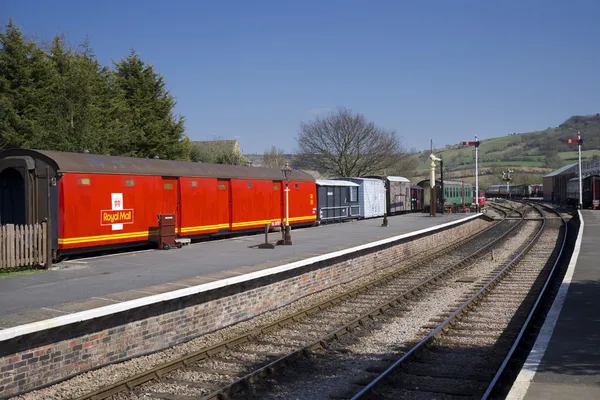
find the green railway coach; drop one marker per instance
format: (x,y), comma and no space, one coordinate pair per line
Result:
(456,194)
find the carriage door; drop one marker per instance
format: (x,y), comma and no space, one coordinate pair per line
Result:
(170,200)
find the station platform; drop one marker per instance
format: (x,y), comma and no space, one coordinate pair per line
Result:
(90,283)
(564,362)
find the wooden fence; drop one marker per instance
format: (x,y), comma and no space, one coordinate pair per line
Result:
(22,245)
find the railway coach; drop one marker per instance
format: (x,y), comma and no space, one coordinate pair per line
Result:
(590,186)
(99,202)
(456,194)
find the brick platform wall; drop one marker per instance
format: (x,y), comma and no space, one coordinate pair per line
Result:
(39,359)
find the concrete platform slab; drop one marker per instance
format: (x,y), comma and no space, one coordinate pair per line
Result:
(127,276)
(565,360)
(26,317)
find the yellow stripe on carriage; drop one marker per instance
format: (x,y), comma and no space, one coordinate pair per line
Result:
(146,234)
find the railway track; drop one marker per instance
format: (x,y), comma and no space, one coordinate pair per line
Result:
(465,354)
(233,366)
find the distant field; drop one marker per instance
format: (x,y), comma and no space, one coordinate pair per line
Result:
(573,155)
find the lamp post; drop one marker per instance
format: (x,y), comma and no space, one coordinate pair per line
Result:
(385,202)
(287,237)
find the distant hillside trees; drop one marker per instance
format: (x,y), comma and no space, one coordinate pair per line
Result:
(345,143)
(57,97)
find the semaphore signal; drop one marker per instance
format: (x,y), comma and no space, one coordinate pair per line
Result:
(476,144)
(579,141)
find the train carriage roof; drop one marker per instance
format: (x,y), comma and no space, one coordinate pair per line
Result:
(102,164)
(397,179)
(389,178)
(331,182)
(446,183)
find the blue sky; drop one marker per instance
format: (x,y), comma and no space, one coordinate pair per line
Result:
(441,70)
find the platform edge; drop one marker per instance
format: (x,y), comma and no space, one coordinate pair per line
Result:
(523,381)
(34,327)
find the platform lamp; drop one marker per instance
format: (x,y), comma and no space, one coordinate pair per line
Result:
(384,179)
(287,236)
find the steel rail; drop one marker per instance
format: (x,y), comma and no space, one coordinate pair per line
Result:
(534,309)
(444,326)
(158,371)
(269,369)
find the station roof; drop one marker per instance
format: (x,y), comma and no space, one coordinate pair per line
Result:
(103,164)
(567,169)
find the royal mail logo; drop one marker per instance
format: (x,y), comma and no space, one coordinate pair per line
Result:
(117,216)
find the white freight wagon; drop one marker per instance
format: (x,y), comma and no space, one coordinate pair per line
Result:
(371,196)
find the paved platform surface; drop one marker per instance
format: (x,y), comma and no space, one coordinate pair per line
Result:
(570,365)
(95,282)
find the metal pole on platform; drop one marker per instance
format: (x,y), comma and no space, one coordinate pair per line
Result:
(580,182)
(386,203)
(287,236)
(476,174)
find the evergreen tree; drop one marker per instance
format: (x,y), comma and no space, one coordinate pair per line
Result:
(82,112)
(151,128)
(24,72)
(64,99)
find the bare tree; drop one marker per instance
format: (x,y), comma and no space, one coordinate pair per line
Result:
(218,151)
(346,144)
(273,158)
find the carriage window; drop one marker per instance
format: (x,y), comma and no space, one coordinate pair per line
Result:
(85,181)
(194,183)
(129,182)
(296,186)
(353,193)
(249,184)
(168,186)
(222,186)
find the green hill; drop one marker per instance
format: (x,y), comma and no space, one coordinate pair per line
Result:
(530,155)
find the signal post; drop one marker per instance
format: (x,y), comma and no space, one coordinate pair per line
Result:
(476,144)
(579,142)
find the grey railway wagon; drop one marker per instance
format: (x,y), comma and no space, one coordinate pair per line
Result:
(337,200)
